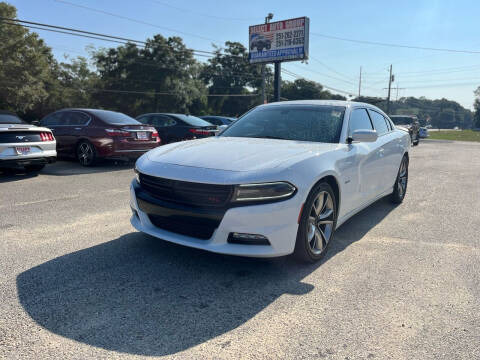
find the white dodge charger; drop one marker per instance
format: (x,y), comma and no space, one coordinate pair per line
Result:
(278,181)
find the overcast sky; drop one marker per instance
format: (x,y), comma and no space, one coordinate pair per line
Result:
(333,62)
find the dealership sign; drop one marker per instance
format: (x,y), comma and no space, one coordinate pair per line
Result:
(285,40)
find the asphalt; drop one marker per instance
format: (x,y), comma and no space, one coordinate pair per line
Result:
(78,282)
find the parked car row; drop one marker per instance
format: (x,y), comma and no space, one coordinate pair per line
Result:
(89,135)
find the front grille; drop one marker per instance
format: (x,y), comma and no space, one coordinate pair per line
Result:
(188,193)
(19,137)
(200,228)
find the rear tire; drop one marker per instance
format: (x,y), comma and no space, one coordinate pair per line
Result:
(34,168)
(400,186)
(417,140)
(317,224)
(86,154)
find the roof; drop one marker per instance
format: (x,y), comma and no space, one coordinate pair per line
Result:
(344,103)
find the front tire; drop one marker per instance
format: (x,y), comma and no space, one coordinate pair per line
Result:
(317,224)
(86,154)
(400,187)
(417,140)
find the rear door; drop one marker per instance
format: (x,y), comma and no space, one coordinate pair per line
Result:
(56,123)
(75,127)
(386,150)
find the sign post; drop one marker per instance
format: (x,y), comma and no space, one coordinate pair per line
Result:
(279,41)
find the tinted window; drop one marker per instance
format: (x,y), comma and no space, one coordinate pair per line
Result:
(114,118)
(52,120)
(192,120)
(379,123)
(10,119)
(77,118)
(291,122)
(402,120)
(359,120)
(214,121)
(162,121)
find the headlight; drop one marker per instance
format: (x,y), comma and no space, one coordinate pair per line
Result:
(264,191)
(137,175)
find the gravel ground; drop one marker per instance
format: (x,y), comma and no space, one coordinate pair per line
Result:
(78,282)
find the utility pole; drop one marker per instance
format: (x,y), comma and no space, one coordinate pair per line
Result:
(360,82)
(264,99)
(389,90)
(277,84)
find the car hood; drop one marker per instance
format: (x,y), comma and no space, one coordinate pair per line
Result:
(237,154)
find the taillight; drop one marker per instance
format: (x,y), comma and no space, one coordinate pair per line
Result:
(46,136)
(199,131)
(156,136)
(117,132)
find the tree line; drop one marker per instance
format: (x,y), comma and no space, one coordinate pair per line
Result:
(162,76)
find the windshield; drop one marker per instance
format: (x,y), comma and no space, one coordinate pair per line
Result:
(10,119)
(401,120)
(291,122)
(114,118)
(192,120)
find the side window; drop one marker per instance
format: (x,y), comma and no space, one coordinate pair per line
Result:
(146,120)
(379,123)
(214,121)
(359,120)
(77,118)
(52,120)
(169,121)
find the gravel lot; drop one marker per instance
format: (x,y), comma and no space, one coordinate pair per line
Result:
(77,282)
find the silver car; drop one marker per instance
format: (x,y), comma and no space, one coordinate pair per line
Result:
(25,145)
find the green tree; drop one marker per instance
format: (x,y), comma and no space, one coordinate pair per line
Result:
(229,72)
(161,77)
(476,106)
(25,65)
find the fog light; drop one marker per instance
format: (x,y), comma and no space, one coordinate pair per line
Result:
(134,212)
(247,239)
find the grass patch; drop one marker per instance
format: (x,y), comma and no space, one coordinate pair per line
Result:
(456,135)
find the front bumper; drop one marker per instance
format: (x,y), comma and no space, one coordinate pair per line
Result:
(276,221)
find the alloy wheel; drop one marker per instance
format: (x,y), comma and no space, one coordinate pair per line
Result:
(85,153)
(320,222)
(402,178)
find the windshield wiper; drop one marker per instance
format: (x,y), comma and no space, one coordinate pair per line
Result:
(268,137)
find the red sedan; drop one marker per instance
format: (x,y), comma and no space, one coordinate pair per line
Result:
(89,135)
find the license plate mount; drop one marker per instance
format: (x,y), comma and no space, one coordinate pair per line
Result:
(23,150)
(142,135)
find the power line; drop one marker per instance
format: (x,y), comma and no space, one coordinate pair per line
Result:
(75,30)
(331,69)
(133,20)
(291,73)
(93,35)
(139,92)
(322,74)
(202,14)
(393,44)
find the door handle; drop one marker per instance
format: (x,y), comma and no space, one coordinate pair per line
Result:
(380,152)
(78,128)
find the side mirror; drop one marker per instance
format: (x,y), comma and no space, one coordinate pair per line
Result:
(36,122)
(364,136)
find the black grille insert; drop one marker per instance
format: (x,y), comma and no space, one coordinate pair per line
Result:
(188,226)
(189,193)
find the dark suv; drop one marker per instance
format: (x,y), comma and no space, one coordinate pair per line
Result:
(89,135)
(410,122)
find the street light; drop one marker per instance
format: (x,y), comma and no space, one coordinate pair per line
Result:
(267,20)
